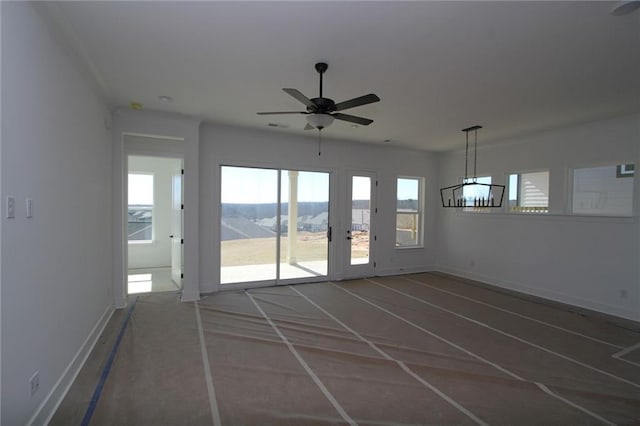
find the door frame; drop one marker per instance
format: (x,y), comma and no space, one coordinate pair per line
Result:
(332,255)
(177,212)
(153,146)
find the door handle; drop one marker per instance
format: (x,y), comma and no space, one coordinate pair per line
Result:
(329,234)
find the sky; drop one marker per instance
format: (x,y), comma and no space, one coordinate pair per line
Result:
(140,189)
(251,185)
(408,189)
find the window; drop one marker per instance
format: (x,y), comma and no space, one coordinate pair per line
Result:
(409,209)
(529,192)
(605,191)
(471,194)
(140,208)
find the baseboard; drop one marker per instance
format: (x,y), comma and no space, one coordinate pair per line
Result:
(189,296)
(553,296)
(47,409)
(404,270)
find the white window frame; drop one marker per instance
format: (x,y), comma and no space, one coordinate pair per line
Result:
(420,214)
(571,187)
(532,210)
(153,208)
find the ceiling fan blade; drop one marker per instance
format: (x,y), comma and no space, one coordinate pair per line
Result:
(309,127)
(352,119)
(302,98)
(281,112)
(362,100)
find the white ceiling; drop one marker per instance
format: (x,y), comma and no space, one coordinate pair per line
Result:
(513,67)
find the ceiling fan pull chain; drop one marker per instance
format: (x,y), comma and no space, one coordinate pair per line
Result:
(319,141)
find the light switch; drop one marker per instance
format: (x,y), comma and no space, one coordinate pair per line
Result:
(29,207)
(11,207)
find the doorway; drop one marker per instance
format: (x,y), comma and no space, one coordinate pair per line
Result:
(154,224)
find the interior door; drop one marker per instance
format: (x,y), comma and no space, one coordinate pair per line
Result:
(177,208)
(359,235)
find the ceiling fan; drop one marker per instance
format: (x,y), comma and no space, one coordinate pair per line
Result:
(322,111)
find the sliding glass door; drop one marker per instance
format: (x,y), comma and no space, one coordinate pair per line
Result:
(274,225)
(304,245)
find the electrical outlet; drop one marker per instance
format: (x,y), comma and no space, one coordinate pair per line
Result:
(34,383)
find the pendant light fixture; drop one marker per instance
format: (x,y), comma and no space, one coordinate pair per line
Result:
(471,193)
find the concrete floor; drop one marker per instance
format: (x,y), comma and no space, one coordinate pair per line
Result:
(150,280)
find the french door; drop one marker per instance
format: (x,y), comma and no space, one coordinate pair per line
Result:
(359,236)
(274,225)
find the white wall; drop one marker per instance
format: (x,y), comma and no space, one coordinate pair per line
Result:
(56,266)
(157,253)
(585,261)
(221,145)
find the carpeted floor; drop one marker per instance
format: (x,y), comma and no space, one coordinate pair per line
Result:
(424,349)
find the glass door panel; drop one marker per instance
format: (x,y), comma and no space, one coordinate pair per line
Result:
(360,233)
(360,220)
(304,246)
(249,221)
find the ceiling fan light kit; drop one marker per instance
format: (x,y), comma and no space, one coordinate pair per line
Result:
(485,195)
(320,121)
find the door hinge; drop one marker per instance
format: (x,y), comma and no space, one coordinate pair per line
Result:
(376,183)
(375,238)
(182,171)
(329,234)
(182,206)
(181,275)
(182,241)
(376,210)
(374,264)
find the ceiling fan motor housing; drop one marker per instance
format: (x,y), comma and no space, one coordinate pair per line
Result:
(323,105)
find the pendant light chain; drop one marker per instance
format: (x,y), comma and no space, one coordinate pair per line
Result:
(466,158)
(475,157)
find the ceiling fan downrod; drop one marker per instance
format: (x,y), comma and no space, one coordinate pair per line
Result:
(321,67)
